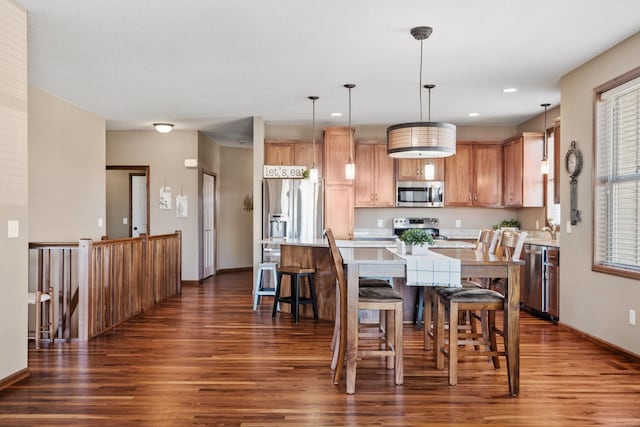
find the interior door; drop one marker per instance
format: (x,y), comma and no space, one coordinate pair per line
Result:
(208,224)
(138,204)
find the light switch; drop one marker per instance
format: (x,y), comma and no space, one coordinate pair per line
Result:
(125,221)
(13,229)
(458,223)
(100,222)
(380,223)
(568,227)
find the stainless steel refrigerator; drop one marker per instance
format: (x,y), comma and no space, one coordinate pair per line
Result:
(292,209)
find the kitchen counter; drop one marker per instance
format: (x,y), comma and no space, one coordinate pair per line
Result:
(542,242)
(460,233)
(365,243)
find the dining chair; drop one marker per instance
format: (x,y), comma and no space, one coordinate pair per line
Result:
(487,300)
(43,301)
(488,242)
(385,299)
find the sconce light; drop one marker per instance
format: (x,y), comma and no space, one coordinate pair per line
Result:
(163,127)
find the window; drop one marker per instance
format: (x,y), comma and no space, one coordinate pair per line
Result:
(617,186)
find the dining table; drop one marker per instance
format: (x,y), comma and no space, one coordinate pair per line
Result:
(381,262)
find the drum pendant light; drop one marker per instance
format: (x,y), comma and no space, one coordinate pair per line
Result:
(544,164)
(313,172)
(350,168)
(421,139)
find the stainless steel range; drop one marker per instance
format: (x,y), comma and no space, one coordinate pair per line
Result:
(429,224)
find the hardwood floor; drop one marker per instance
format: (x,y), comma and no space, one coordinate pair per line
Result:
(205,358)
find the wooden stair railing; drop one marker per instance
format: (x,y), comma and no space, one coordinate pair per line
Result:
(121,278)
(54,265)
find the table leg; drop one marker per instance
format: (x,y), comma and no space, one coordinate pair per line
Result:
(512,328)
(352,326)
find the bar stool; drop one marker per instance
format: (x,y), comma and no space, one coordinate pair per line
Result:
(42,300)
(296,274)
(259,289)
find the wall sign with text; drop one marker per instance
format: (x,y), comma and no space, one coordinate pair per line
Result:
(283,172)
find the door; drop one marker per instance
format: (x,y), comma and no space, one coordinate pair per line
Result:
(208,224)
(138,204)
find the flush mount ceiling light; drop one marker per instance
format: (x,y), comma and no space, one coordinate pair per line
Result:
(421,139)
(544,164)
(313,172)
(163,127)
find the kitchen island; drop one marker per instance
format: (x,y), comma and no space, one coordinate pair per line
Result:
(315,253)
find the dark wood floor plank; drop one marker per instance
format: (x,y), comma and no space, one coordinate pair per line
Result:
(205,358)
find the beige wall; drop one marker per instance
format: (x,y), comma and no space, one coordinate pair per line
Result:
(164,154)
(117,203)
(209,162)
(66,170)
(595,303)
(235,230)
(13,188)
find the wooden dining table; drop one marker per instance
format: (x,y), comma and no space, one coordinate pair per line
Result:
(367,262)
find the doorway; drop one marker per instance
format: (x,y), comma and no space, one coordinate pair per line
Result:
(127,201)
(208,224)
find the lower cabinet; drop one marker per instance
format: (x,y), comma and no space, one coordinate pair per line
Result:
(338,210)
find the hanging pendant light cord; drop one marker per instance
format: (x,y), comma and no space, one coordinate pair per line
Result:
(314,131)
(420,85)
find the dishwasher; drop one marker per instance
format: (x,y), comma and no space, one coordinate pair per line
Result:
(533,292)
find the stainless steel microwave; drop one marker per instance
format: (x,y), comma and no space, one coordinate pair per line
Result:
(427,194)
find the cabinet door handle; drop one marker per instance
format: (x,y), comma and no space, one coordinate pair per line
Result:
(475,197)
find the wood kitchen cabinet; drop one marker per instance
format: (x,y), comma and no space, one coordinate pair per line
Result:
(338,149)
(374,186)
(338,210)
(523,181)
(278,153)
(473,177)
(413,169)
(339,192)
(292,153)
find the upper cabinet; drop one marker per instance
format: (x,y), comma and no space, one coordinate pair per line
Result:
(523,181)
(339,192)
(279,153)
(413,169)
(374,176)
(292,153)
(338,149)
(473,177)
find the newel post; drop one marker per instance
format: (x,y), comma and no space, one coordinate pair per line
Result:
(84,288)
(179,272)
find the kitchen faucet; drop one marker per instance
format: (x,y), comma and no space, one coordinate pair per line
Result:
(551,230)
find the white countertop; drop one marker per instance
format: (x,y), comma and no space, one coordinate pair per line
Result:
(387,243)
(543,242)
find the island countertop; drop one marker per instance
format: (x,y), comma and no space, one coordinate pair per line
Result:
(365,243)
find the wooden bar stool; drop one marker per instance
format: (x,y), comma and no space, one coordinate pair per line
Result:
(42,300)
(259,289)
(296,274)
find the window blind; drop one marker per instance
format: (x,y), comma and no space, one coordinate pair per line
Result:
(617,192)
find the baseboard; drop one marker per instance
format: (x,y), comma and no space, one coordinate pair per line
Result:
(190,282)
(12,379)
(233,270)
(602,343)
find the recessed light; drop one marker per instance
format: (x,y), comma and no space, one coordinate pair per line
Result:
(509,90)
(473,114)
(336,114)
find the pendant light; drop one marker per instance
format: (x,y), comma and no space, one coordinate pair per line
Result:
(350,168)
(429,171)
(421,139)
(544,164)
(313,172)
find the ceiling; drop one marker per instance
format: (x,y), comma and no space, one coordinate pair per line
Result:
(210,65)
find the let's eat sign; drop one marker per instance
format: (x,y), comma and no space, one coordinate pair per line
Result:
(283,172)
